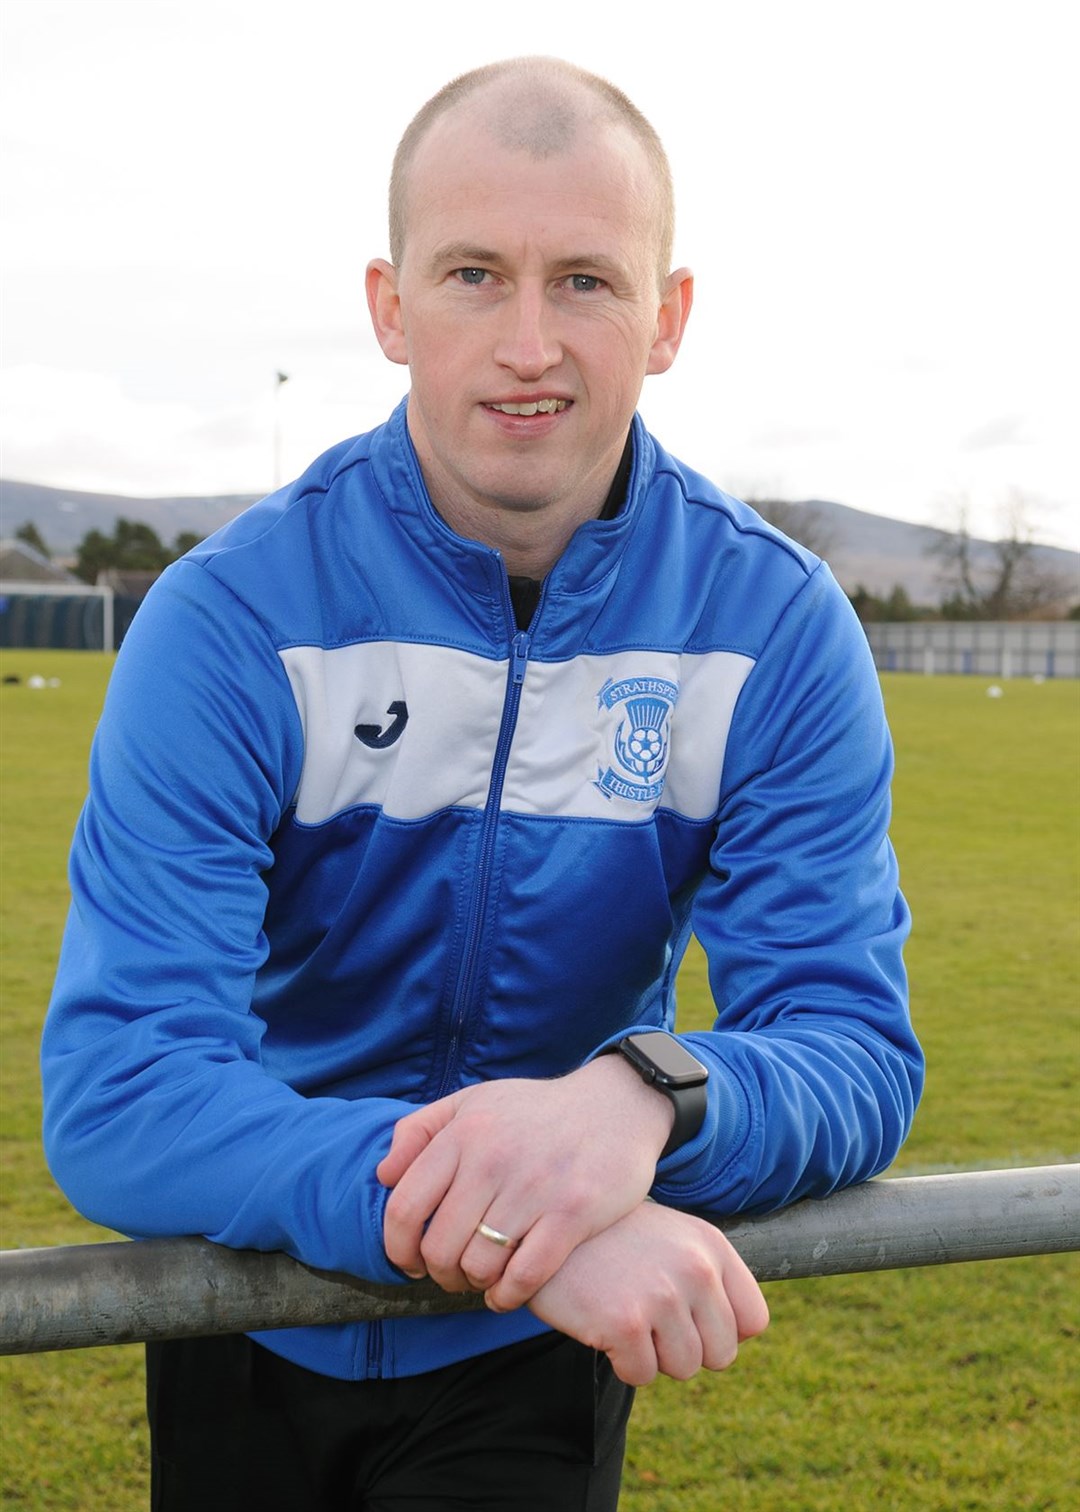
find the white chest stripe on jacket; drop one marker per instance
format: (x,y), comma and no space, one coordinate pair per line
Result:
(607,737)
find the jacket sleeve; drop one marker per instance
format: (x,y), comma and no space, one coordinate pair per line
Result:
(159,1118)
(814,1069)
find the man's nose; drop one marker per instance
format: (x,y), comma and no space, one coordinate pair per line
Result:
(528,343)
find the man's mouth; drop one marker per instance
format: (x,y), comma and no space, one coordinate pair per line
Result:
(534,407)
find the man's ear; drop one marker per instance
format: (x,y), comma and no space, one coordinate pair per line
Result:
(384,302)
(678,296)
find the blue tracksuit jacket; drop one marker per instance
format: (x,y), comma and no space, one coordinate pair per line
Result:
(353,841)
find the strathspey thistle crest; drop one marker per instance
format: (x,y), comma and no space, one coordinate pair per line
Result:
(641,737)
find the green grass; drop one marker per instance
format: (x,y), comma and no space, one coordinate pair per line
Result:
(941,1389)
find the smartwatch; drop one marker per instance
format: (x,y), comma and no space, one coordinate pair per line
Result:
(663,1062)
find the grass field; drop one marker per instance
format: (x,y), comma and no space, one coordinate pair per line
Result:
(941,1389)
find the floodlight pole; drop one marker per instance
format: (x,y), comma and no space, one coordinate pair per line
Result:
(280,379)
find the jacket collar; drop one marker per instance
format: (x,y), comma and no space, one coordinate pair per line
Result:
(591,556)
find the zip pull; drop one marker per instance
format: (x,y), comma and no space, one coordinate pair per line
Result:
(519,655)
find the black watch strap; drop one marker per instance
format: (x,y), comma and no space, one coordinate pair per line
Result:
(664,1063)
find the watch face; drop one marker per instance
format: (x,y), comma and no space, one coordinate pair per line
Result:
(674,1064)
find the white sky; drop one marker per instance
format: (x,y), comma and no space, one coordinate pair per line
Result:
(878,201)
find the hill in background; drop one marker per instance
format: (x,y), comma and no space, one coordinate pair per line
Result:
(879,553)
(64,515)
(863,549)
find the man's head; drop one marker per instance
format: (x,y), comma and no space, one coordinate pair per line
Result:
(525,296)
(539,105)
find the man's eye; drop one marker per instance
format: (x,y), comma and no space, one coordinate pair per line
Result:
(584,283)
(471,275)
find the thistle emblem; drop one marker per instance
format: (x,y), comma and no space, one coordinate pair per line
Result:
(641,741)
(642,738)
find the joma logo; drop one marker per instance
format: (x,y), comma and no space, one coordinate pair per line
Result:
(378,739)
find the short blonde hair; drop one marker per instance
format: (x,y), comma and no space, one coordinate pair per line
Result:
(554,83)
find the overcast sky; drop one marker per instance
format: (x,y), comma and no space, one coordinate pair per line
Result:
(878,202)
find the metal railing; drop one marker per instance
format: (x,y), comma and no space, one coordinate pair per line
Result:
(118,1293)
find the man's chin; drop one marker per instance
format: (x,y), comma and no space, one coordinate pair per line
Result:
(517,495)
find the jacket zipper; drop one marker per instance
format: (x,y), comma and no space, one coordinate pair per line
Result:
(515,676)
(374,1368)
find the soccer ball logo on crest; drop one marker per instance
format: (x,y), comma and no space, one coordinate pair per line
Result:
(641,741)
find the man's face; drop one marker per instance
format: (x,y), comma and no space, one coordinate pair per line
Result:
(528,310)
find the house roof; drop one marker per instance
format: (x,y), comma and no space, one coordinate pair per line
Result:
(21,563)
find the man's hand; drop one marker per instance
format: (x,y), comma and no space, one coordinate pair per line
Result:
(548,1163)
(660,1292)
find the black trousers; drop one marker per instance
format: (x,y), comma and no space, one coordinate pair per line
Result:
(538,1426)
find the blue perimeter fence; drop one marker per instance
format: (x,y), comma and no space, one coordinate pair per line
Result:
(978,648)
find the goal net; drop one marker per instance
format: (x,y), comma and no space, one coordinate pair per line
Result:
(61,616)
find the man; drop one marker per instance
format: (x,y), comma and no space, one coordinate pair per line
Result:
(411,787)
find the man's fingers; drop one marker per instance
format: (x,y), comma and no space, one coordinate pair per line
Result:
(509,1274)
(486,1258)
(726,1308)
(412,1135)
(717,1336)
(531,1265)
(412,1202)
(658,1291)
(681,1351)
(725,1312)
(455,1254)
(750,1310)
(635,1362)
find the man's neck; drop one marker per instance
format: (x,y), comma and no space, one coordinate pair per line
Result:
(530,542)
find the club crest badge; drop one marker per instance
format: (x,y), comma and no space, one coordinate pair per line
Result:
(640,709)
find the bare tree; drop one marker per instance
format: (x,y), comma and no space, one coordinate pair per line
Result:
(802,522)
(1000,579)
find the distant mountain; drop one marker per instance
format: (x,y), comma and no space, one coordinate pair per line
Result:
(861,548)
(880,553)
(64,515)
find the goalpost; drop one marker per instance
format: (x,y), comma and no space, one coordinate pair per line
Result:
(62,616)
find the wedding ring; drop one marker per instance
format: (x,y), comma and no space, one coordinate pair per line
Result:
(496,1236)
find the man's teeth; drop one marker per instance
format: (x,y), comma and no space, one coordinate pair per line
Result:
(541,406)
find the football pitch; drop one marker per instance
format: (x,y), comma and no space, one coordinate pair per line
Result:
(944,1389)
